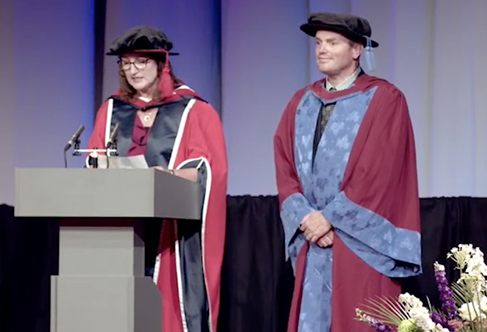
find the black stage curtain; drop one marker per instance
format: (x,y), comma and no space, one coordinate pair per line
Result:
(257,283)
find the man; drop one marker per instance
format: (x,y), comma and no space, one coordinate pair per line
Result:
(346,176)
(176,131)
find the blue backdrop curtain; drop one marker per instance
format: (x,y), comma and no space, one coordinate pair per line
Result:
(247,59)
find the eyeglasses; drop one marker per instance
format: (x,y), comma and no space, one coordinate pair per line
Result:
(139,64)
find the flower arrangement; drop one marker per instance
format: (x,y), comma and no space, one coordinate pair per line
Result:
(463,303)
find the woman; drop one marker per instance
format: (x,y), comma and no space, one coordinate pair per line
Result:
(178,132)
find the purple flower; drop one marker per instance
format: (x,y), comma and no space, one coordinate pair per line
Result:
(446,294)
(440,319)
(378,325)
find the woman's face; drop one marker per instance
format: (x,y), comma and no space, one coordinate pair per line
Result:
(140,71)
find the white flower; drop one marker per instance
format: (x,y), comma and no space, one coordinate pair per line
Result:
(418,314)
(475,264)
(452,252)
(439,328)
(470,311)
(483,304)
(468,248)
(410,301)
(470,262)
(439,267)
(422,319)
(461,254)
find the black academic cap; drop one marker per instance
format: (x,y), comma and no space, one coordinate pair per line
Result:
(145,39)
(352,27)
(141,39)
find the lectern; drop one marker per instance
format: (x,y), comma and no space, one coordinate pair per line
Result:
(101,284)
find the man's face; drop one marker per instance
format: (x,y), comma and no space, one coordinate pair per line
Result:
(335,53)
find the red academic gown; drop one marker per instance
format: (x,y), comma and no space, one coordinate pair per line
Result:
(198,142)
(374,208)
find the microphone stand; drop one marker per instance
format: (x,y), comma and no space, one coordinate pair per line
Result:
(76,148)
(111,148)
(94,159)
(94,153)
(76,144)
(112,142)
(74,140)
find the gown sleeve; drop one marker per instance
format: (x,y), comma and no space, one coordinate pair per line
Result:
(293,204)
(205,149)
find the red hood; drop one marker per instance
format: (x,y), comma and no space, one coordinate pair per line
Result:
(179,93)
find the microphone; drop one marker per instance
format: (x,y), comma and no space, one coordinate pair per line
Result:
(74,138)
(113,136)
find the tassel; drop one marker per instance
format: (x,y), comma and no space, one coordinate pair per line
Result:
(165,82)
(369,56)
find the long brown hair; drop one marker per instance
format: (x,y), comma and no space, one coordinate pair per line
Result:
(129,93)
